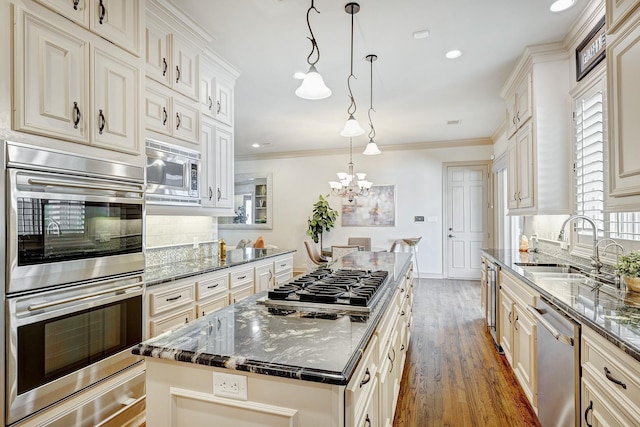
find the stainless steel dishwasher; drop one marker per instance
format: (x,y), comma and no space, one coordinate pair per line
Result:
(558,367)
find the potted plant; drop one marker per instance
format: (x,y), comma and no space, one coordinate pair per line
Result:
(628,267)
(323,219)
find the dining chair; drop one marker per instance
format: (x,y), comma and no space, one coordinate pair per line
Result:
(338,251)
(365,242)
(313,253)
(394,246)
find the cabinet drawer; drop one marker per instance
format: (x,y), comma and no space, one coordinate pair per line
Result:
(241,277)
(238,294)
(172,321)
(283,265)
(212,285)
(362,383)
(284,277)
(599,409)
(522,292)
(212,305)
(370,413)
(176,296)
(615,371)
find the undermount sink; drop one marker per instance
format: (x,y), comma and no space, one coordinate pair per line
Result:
(536,269)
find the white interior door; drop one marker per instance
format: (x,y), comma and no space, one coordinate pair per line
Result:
(466,211)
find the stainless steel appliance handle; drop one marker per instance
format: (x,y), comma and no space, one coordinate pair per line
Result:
(126,407)
(35,307)
(565,339)
(133,189)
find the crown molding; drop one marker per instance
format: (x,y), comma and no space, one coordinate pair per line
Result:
(500,130)
(594,11)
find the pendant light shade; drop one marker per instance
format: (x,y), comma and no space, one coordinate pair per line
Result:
(352,128)
(371,149)
(313,86)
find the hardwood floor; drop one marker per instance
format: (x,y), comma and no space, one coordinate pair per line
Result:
(453,375)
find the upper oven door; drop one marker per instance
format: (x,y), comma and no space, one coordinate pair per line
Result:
(66,229)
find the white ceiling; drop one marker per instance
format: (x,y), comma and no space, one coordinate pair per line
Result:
(415,89)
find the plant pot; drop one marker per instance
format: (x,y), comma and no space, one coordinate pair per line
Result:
(632,283)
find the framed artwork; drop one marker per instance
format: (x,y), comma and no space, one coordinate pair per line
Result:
(378,209)
(591,51)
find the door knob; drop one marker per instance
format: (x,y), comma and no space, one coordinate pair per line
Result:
(451,235)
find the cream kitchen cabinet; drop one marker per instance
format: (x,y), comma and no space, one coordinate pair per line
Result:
(74,86)
(539,147)
(273,272)
(623,63)
(172,114)
(212,292)
(118,21)
(617,11)
(264,277)
(610,383)
(216,92)
(169,306)
(283,269)
(506,325)
(217,187)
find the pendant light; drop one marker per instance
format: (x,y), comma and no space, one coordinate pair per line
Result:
(371,148)
(352,127)
(313,86)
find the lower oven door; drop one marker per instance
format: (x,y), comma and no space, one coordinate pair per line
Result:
(64,340)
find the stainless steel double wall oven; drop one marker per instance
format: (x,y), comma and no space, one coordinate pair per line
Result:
(74,283)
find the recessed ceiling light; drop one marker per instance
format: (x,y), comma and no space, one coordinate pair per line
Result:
(299,75)
(560,5)
(421,34)
(255,145)
(453,54)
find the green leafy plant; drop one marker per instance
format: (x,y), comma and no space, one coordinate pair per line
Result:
(323,219)
(629,265)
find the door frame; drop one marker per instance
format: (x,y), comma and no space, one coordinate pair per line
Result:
(488,218)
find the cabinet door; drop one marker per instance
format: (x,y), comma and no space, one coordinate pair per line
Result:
(158,115)
(51,80)
(75,10)
(525,353)
(118,21)
(207,90)
(186,78)
(224,102)
(525,171)
(115,101)
(171,321)
(157,52)
(523,101)
(186,120)
(264,277)
(598,410)
(512,123)
(506,325)
(239,294)
(208,162)
(617,11)
(512,175)
(623,63)
(223,189)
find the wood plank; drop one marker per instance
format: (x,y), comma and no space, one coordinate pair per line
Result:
(453,375)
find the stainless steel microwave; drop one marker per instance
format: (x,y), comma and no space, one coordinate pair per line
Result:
(172,174)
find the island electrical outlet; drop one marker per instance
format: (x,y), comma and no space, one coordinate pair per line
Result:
(230,385)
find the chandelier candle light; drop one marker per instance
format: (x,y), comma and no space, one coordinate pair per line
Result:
(352,127)
(351,184)
(313,86)
(371,148)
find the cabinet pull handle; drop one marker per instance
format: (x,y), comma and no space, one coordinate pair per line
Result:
(219,322)
(402,313)
(219,194)
(519,198)
(210,193)
(210,103)
(391,359)
(515,196)
(186,320)
(174,298)
(165,67)
(165,116)
(514,120)
(219,106)
(610,377)
(213,286)
(103,12)
(366,378)
(75,4)
(242,277)
(586,413)
(402,347)
(401,290)
(515,324)
(177,74)
(283,265)
(177,121)
(367,421)
(76,115)
(518,115)
(510,317)
(102,122)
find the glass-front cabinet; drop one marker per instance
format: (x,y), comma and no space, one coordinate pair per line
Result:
(252,202)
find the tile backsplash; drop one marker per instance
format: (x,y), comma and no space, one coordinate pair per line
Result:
(166,230)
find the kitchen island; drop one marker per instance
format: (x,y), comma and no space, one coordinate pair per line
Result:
(288,367)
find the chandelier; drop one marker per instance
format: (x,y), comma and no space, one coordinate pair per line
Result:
(351,184)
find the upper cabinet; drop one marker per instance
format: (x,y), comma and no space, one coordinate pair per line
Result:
(74,86)
(216,187)
(118,21)
(623,63)
(617,11)
(538,128)
(216,92)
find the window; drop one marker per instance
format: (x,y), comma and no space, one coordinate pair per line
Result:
(590,174)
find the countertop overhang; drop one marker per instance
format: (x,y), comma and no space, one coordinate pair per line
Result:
(613,314)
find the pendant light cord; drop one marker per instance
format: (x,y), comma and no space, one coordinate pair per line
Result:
(353,101)
(372,132)
(312,39)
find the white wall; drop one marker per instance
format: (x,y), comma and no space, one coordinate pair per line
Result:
(417,174)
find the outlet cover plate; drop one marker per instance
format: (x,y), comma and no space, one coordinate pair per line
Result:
(230,386)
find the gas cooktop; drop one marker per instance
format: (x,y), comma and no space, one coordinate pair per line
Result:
(325,290)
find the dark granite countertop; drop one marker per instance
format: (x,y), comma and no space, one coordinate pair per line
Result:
(179,270)
(245,336)
(613,314)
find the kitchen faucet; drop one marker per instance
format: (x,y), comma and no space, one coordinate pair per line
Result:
(595,257)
